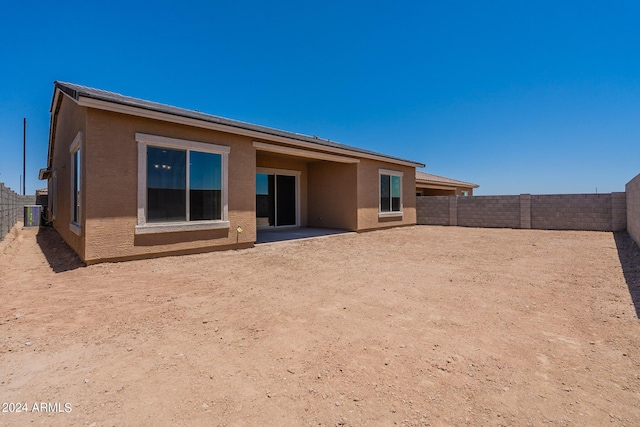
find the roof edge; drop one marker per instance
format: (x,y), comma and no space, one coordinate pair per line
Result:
(446,181)
(83,96)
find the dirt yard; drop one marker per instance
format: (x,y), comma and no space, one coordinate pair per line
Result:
(424,326)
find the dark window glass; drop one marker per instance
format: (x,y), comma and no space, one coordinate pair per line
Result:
(205,186)
(166,185)
(286,204)
(385,193)
(76,187)
(265,200)
(395,193)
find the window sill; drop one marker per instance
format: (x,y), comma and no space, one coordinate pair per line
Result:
(75,228)
(175,227)
(389,214)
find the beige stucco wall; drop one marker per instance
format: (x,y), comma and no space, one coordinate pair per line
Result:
(289,163)
(111,182)
(71,120)
(369,194)
(333,195)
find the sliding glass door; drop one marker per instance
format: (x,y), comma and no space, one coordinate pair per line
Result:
(276,200)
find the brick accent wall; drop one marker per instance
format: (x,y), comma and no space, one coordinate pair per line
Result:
(633,208)
(594,212)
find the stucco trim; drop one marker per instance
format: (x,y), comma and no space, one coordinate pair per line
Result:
(399,213)
(174,227)
(142,227)
(75,146)
(163,141)
(75,228)
(390,214)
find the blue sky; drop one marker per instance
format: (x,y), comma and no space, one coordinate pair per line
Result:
(519,97)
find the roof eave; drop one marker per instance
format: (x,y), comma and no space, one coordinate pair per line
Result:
(448,184)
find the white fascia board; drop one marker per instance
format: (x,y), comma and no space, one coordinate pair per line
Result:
(261,146)
(156,115)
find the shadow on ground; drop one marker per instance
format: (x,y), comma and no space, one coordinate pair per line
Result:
(280,235)
(59,255)
(629,254)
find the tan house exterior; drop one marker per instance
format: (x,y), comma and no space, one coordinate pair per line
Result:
(434,185)
(130,179)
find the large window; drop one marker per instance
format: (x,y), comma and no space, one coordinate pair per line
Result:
(390,193)
(76,185)
(182,185)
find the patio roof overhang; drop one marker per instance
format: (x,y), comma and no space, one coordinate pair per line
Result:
(298,152)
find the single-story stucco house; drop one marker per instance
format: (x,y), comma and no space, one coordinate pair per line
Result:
(434,185)
(129,178)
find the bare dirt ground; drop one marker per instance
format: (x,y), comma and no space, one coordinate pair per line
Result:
(409,326)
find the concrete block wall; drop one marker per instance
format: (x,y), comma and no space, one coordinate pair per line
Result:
(633,208)
(571,212)
(433,210)
(594,212)
(11,208)
(489,211)
(618,211)
(525,211)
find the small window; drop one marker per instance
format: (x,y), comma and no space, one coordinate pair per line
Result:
(390,193)
(464,193)
(182,185)
(75,223)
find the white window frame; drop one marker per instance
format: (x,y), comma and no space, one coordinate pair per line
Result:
(76,146)
(286,172)
(144,140)
(391,213)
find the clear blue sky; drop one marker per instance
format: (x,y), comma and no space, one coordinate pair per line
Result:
(519,97)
